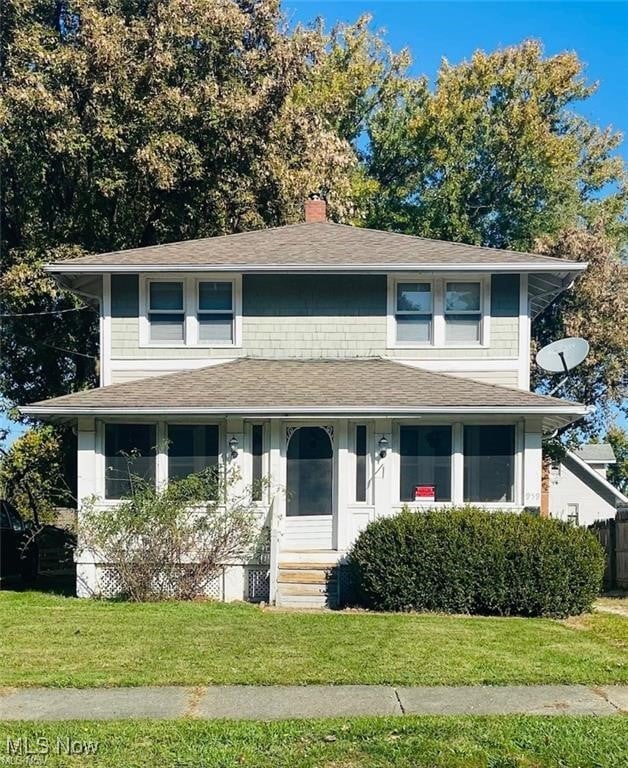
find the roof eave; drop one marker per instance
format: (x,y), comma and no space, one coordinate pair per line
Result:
(69,268)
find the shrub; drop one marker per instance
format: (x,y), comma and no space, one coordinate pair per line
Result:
(467,560)
(170,542)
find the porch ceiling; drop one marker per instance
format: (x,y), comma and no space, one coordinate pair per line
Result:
(373,386)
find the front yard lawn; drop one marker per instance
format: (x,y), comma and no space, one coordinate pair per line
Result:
(60,641)
(434,742)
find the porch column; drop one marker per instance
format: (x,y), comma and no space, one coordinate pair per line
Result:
(383,470)
(343,486)
(532,463)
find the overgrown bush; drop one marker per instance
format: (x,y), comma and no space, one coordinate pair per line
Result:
(170,543)
(466,560)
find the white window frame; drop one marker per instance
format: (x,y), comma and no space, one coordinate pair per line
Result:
(438,284)
(471,313)
(190,304)
(392,311)
(181,311)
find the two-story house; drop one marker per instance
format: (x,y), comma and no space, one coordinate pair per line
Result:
(359,370)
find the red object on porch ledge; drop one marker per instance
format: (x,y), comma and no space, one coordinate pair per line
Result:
(425,493)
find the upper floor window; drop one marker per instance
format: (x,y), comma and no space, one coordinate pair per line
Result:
(190,312)
(166,312)
(215,311)
(414,312)
(463,312)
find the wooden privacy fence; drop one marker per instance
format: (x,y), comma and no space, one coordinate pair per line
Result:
(613,536)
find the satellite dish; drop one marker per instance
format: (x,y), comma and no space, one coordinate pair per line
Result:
(562,355)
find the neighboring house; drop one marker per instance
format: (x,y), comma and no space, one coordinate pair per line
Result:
(355,368)
(579,491)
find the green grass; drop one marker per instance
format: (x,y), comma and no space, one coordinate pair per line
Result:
(59,641)
(454,742)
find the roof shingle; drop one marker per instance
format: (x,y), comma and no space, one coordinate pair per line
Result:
(257,385)
(313,245)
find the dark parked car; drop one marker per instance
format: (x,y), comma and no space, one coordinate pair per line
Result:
(17,559)
(27,553)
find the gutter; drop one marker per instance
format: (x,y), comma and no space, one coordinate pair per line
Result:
(373,411)
(68,267)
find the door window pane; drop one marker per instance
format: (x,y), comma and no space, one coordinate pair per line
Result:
(310,473)
(257,451)
(192,448)
(360,462)
(425,459)
(489,463)
(129,454)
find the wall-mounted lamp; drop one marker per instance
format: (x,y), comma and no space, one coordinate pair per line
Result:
(383,446)
(233,445)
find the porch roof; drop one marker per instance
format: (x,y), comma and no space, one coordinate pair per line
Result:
(270,387)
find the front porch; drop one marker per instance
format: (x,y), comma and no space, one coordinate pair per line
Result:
(323,447)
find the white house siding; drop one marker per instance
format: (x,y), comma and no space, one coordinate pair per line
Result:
(573,485)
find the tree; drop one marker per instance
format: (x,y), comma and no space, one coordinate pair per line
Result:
(37,473)
(132,123)
(495,156)
(618,472)
(596,309)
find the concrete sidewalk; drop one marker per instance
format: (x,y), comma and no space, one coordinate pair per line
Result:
(244,702)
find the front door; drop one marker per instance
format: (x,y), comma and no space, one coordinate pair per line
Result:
(309,488)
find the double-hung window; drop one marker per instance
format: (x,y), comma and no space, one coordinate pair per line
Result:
(463,312)
(215,312)
(190,312)
(166,311)
(414,312)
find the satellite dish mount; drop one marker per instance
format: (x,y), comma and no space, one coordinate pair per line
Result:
(562,356)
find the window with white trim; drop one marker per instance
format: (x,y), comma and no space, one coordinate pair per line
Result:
(425,459)
(489,463)
(414,310)
(215,311)
(191,312)
(463,312)
(166,311)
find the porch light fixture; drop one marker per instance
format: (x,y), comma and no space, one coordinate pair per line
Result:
(383,446)
(233,446)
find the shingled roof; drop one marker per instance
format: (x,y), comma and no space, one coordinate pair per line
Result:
(261,386)
(323,245)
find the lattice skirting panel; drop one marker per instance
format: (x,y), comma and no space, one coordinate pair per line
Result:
(108,584)
(257,584)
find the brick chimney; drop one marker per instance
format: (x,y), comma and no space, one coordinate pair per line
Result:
(315,210)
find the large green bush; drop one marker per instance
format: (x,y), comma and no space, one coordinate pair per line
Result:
(466,560)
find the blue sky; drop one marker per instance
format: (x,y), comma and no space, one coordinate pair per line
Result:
(597,31)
